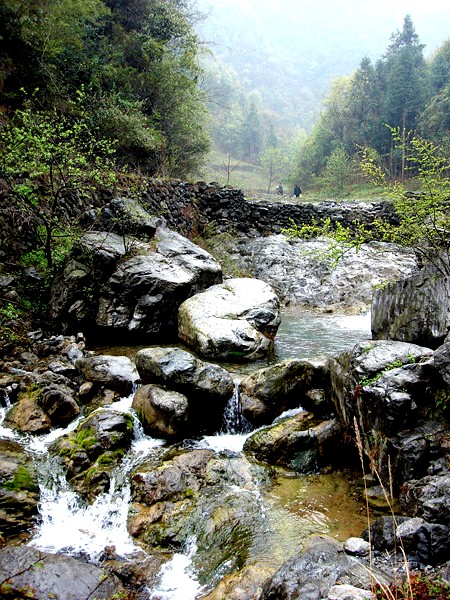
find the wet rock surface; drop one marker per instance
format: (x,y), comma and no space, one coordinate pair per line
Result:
(303,443)
(319,567)
(19,490)
(206,386)
(29,573)
(91,451)
(267,392)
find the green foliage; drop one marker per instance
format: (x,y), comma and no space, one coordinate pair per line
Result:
(12,323)
(395,364)
(338,172)
(47,158)
(141,66)
(340,239)
(423,216)
(394,91)
(417,587)
(442,400)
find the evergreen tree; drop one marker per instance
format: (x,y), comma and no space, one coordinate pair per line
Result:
(406,83)
(252,129)
(440,68)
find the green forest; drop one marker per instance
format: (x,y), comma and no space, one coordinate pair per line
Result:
(128,70)
(100,94)
(143,92)
(402,89)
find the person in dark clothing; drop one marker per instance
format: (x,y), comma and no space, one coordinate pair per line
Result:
(297,190)
(280,190)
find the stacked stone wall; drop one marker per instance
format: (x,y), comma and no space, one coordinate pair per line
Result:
(199,208)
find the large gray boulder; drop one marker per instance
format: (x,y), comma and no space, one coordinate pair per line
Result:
(28,573)
(207,386)
(416,309)
(371,364)
(301,274)
(387,389)
(236,320)
(319,567)
(131,288)
(428,498)
(113,372)
(163,413)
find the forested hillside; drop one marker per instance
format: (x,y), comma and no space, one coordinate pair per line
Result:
(133,62)
(299,93)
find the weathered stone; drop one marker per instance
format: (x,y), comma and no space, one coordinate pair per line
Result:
(357,547)
(59,403)
(411,452)
(28,416)
(428,498)
(113,372)
(235,320)
(427,543)
(29,573)
(303,443)
(268,392)
(382,532)
(349,371)
(312,574)
(91,451)
(349,592)
(130,287)
(19,491)
(207,386)
(297,271)
(198,491)
(413,310)
(163,413)
(442,362)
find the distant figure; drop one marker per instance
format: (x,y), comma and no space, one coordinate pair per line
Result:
(280,190)
(297,190)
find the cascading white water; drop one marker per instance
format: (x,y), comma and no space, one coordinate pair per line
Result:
(177,579)
(71,526)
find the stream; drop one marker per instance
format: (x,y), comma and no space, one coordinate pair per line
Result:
(291,508)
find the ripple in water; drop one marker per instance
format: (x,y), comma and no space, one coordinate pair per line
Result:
(307,335)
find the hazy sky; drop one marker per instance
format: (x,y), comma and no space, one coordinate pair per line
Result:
(370,19)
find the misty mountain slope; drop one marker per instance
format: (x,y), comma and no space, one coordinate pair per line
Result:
(291,50)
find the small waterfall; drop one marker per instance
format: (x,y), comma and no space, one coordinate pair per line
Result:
(233,421)
(177,580)
(4,399)
(70,526)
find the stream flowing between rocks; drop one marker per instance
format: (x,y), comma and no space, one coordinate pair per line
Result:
(290,508)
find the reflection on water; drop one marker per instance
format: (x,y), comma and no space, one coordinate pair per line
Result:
(306,335)
(324,503)
(302,334)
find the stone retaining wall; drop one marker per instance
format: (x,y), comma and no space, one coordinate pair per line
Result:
(201,208)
